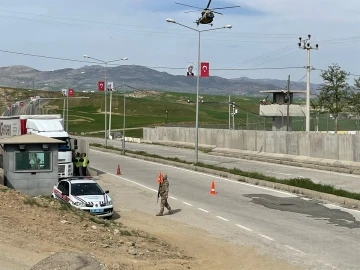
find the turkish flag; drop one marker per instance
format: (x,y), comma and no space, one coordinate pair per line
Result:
(101,86)
(205,72)
(71,92)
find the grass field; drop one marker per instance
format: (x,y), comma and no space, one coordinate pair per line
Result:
(150,108)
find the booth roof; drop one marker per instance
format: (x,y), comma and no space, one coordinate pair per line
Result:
(29,139)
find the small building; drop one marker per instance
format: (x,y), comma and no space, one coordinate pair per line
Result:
(30,163)
(277,108)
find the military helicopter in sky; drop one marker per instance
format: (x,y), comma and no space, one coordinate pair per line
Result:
(207,14)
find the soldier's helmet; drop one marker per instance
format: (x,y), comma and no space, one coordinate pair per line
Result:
(164,176)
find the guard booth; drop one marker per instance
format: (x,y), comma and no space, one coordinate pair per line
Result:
(30,163)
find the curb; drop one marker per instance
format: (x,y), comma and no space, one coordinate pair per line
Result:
(351,203)
(329,165)
(325,166)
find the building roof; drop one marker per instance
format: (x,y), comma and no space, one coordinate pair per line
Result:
(281,91)
(29,139)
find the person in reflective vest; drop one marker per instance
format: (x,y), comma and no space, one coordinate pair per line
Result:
(78,164)
(85,163)
(76,161)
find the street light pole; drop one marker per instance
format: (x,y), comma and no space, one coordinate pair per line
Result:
(105,90)
(123,144)
(198,79)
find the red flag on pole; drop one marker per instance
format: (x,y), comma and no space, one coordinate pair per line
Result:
(101,86)
(205,72)
(71,92)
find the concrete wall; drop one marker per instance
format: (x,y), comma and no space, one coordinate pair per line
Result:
(320,145)
(31,184)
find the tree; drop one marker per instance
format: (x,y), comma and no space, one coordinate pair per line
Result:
(335,91)
(355,100)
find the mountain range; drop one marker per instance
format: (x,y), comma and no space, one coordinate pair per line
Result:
(138,77)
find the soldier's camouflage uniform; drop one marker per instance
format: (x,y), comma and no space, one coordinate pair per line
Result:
(164,193)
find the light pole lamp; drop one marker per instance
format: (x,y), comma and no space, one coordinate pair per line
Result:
(105,90)
(198,78)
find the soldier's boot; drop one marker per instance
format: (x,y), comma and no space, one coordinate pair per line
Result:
(169,212)
(159,214)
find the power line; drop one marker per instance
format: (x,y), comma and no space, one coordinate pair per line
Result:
(48,57)
(319,69)
(277,35)
(92,62)
(233,69)
(299,80)
(145,32)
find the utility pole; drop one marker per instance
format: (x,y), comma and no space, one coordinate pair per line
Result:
(288,105)
(229,112)
(305,44)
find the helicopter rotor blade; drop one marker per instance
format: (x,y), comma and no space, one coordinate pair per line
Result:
(191,11)
(188,5)
(226,7)
(216,12)
(208,5)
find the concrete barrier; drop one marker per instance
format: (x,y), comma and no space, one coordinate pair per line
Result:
(315,150)
(296,190)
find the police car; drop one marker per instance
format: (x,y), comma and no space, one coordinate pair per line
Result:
(85,194)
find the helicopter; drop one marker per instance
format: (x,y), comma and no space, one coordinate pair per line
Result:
(207,14)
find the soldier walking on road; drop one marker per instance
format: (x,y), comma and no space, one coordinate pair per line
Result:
(164,194)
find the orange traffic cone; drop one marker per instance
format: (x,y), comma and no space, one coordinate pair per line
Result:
(212,191)
(118,172)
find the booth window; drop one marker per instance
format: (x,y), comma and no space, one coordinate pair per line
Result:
(33,161)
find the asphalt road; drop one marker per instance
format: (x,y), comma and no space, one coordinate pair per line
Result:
(280,224)
(340,180)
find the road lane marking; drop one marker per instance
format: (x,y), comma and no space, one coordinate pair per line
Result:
(206,211)
(187,204)
(222,218)
(200,173)
(292,248)
(136,183)
(243,227)
(288,174)
(266,237)
(262,162)
(173,198)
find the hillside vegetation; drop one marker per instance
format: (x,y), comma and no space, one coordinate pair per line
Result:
(153,108)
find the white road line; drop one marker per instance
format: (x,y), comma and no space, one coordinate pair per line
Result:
(292,248)
(329,265)
(267,237)
(206,211)
(123,178)
(306,199)
(173,198)
(187,203)
(243,227)
(288,174)
(222,218)
(268,163)
(287,166)
(200,173)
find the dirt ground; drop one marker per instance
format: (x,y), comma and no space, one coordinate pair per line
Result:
(35,228)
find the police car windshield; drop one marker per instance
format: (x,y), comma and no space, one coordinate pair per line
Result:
(80,189)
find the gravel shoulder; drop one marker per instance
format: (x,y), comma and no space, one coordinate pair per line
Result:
(32,229)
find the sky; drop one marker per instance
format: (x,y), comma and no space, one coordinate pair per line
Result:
(263,39)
